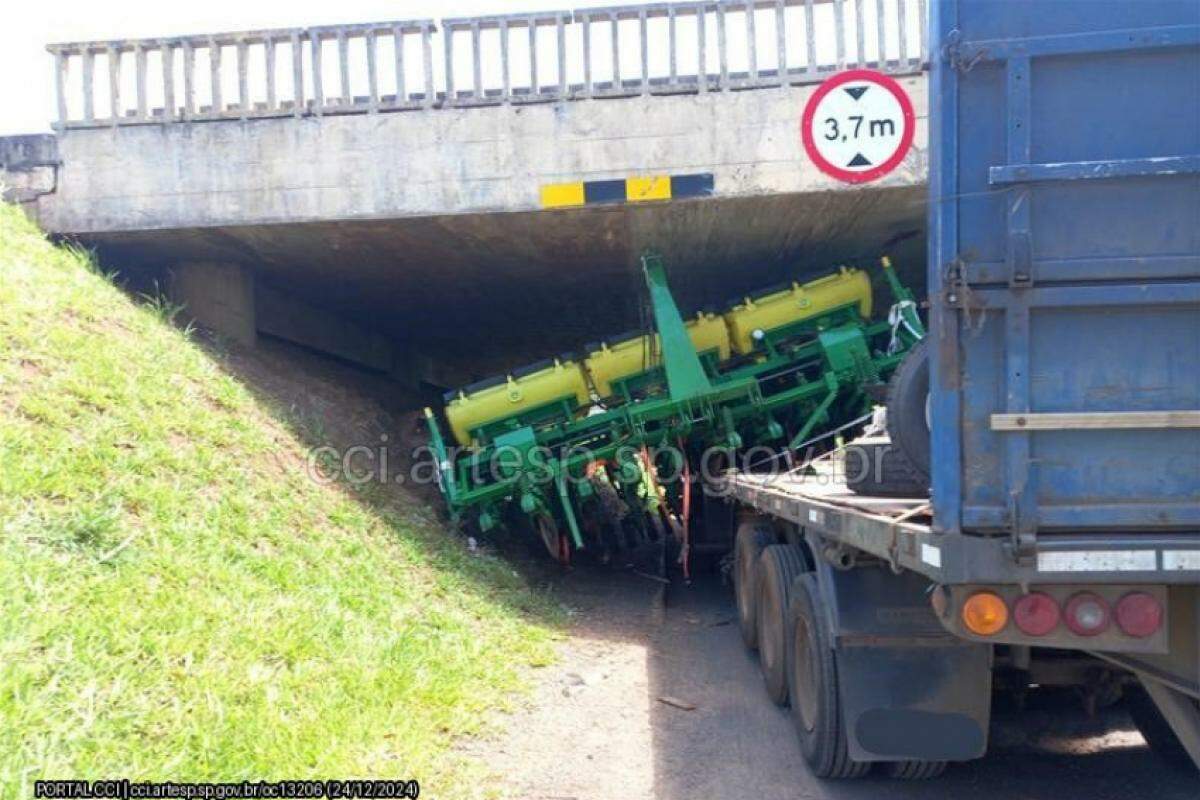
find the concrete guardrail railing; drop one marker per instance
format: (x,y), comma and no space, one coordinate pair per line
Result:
(620,51)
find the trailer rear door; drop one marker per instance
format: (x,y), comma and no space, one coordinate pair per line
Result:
(1064,268)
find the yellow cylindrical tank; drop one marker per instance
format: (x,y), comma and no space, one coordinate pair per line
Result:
(608,364)
(796,303)
(514,394)
(708,332)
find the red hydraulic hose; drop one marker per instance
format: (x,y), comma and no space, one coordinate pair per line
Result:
(685,554)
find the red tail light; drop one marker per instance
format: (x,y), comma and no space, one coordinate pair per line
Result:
(1087,614)
(1036,614)
(1139,614)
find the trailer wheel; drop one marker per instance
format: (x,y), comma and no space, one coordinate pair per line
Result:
(753,536)
(779,566)
(916,770)
(907,401)
(813,686)
(1154,727)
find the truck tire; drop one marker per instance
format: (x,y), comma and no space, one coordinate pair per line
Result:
(907,400)
(1154,727)
(753,535)
(877,467)
(813,686)
(778,566)
(916,770)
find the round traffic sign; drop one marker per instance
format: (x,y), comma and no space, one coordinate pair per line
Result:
(858,125)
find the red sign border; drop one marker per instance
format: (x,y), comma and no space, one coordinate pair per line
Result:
(810,110)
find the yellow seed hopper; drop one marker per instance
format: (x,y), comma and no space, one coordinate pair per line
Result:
(609,363)
(521,392)
(796,303)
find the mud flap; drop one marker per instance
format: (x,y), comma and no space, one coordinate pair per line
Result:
(1180,712)
(908,689)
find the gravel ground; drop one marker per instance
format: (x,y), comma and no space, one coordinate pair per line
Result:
(660,700)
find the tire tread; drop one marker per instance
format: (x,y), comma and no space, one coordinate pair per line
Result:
(752,537)
(829,756)
(779,566)
(906,395)
(897,476)
(916,770)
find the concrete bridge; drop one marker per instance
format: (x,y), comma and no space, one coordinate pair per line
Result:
(470,188)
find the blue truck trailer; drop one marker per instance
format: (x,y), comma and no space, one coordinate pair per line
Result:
(1057,413)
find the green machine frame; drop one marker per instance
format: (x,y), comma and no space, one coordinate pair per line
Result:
(549,464)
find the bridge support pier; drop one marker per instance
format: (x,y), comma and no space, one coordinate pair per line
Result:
(218,296)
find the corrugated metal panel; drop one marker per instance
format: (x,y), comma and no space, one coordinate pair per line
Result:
(1065,265)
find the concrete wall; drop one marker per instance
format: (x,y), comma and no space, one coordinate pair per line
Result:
(231,300)
(432,163)
(218,296)
(28,168)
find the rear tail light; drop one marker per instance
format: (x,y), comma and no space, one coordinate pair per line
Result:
(1139,614)
(1036,614)
(1087,614)
(985,614)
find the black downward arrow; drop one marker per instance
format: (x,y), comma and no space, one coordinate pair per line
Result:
(856,91)
(859,161)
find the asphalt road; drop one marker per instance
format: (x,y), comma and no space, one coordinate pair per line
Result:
(598,725)
(746,743)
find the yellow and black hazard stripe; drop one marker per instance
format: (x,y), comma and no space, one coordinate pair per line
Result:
(639,189)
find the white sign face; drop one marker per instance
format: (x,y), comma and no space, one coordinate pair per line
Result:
(858,126)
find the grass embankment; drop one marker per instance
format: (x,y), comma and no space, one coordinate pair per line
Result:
(178,600)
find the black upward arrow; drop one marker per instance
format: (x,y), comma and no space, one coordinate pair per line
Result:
(856,91)
(859,161)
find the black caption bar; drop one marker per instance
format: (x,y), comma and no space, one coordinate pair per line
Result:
(125,789)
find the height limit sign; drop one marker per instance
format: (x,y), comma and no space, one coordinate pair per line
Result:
(858,126)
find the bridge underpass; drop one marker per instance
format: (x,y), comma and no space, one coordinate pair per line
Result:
(414,229)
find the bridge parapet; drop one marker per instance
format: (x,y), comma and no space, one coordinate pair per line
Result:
(697,46)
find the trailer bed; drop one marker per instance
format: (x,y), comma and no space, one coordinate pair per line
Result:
(900,531)
(895,529)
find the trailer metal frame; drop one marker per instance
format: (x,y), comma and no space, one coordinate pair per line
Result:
(900,532)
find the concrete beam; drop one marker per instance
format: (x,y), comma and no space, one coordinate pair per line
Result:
(286,316)
(218,296)
(455,161)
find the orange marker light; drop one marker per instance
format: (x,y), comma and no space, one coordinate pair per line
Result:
(985,614)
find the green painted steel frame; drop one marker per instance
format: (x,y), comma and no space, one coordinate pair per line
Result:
(818,362)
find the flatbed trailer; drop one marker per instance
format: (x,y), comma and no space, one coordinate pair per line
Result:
(911,685)
(1058,425)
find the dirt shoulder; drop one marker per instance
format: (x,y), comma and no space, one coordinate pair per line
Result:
(664,702)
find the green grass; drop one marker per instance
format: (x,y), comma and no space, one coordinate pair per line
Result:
(179,601)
